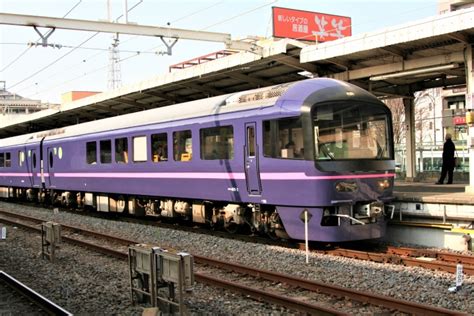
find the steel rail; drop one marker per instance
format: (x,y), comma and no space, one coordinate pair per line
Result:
(357,254)
(255,293)
(374,299)
(288,302)
(444,256)
(394,255)
(403,258)
(39,300)
(78,242)
(82,230)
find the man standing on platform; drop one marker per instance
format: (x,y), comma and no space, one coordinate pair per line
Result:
(448,161)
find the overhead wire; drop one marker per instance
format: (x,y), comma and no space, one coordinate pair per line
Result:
(16,59)
(154,48)
(81,76)
(239,15)
(69,52)
(123,59)
(221,22)
(53,62)
(196,12)
(136,53)
(72,9)
(256,63)
(215,24)
(59,46)
(28,48)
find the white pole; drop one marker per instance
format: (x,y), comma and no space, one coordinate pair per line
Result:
(459,276)
(125,12)
(109,11)
(306,234)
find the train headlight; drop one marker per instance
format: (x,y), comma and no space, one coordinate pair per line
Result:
(383,184)
(345,186)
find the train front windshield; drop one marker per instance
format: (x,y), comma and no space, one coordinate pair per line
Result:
(351,131)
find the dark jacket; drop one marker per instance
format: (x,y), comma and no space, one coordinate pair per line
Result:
(448,153)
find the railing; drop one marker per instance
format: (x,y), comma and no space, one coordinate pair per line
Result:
(429,158)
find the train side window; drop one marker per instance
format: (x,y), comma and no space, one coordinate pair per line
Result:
(269,133)
(21,158)
(105,151)
(2,160)
(51,163)
(283,138)
(251,141)
(139,149)
(182,146)
(91,152)
(217,143)
(159,147)
(121,150)
(33,158)
(8,160)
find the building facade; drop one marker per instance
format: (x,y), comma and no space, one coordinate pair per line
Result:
(13,106)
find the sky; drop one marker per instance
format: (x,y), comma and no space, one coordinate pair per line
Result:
(44,73)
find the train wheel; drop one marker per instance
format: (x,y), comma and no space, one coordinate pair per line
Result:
(121,203)
(272,235)
(231,227)
(275,228)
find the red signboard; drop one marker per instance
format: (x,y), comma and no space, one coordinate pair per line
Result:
(459,120)
(310,26)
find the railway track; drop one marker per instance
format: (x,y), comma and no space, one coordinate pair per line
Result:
(428,259)
(307,288)
(18,299)
(423,258)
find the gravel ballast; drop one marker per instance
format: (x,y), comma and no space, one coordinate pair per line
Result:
(87,283)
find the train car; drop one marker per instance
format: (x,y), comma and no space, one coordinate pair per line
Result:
(262,159)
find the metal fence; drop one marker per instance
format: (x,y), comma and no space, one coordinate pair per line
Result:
(429,158)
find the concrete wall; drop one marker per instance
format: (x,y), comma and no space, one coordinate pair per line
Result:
(427,237)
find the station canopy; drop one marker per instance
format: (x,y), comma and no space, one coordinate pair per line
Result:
(392,62)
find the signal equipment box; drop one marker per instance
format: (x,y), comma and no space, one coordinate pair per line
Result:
(156,274)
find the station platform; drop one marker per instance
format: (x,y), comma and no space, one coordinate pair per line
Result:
(432,215)
(429,192)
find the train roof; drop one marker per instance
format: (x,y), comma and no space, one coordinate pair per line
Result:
(235,102)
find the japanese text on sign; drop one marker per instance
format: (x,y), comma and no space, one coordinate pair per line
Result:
(310,26)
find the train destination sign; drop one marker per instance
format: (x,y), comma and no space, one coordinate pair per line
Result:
(310,26)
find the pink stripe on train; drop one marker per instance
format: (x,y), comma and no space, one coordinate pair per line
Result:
(217,176)
(200,175)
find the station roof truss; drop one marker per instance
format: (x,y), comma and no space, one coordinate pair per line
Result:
(392,62)
(400,60)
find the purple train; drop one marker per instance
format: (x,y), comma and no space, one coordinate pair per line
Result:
(262,159)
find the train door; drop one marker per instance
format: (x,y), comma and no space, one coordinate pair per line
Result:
(252,173)
(34,166)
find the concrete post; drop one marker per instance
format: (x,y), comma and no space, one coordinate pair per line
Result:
(410,141)
(470,106)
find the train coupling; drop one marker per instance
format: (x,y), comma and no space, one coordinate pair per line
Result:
(357,213)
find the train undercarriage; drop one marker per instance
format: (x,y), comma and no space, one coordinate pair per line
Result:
(232,217)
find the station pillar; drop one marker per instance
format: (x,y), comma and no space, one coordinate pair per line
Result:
(470,107)
(409,106)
